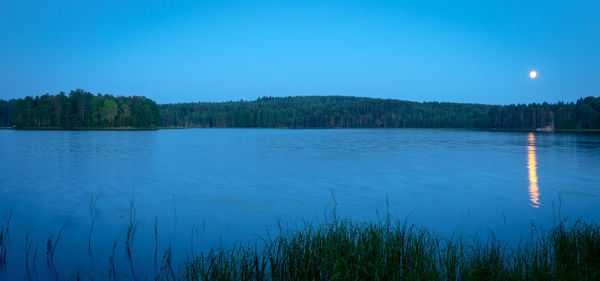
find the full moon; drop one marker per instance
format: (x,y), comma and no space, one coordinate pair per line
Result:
(533,74)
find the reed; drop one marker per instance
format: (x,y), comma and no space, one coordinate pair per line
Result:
(384,249)
(4,240)
(3,245)
(93,216)
(131,230)
(52,245)
(343,250)
(112,271)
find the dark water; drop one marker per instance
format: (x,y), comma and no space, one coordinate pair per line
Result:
(213,187)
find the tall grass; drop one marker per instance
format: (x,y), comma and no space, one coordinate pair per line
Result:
(343,250)
(388,249)
(4,242)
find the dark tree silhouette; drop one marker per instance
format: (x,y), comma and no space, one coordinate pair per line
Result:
(79,109)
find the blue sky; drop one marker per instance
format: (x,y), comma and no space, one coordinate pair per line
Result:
(464,51)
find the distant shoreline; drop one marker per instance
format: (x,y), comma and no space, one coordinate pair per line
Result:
(283,128)
(82,129)
(80,110)
(375,128)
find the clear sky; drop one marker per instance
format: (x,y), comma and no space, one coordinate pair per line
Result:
(463,51)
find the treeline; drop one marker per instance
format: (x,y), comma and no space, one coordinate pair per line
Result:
(82,109)
(6,112)
(355,112)
(79,109)
(583,114)
(323,112)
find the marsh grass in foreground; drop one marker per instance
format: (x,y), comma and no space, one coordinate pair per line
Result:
(389,249)
(343,250)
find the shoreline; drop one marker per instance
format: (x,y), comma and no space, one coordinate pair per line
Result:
(286,128)
(82,129)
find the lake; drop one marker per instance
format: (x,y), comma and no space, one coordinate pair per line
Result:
(210,187)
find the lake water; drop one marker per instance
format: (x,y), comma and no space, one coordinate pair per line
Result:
(209,187)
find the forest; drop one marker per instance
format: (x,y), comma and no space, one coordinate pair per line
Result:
(356,112)
(80,109)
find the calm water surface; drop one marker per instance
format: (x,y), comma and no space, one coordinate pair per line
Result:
(214,187)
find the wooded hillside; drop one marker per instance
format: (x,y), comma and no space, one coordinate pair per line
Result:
(355,112)
(81,109)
